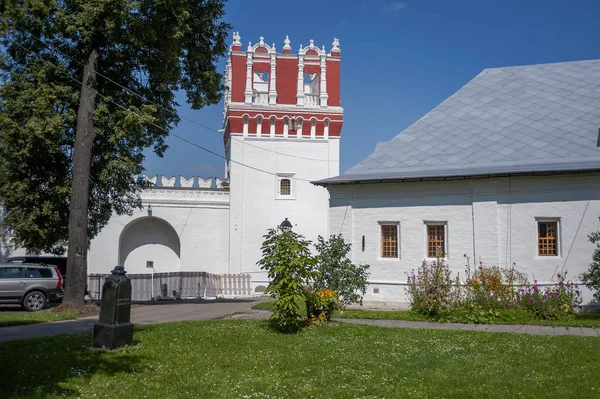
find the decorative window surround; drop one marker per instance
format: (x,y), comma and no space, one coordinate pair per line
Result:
(286,186)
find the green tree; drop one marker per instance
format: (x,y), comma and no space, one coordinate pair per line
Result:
(335,271)
(71,137)
(290,266)
(591,278)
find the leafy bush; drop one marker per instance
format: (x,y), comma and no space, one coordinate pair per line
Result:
(591,278)
(431,290)
(336,272)
(290,266)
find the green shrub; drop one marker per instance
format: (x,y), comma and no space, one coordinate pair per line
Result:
(336,272)
(591,278)
(290,266)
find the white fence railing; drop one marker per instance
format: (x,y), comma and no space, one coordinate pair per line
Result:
(178,285)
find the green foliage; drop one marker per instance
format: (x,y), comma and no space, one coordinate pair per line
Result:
(290,266)
(336,272)
(591,278)
(153,48)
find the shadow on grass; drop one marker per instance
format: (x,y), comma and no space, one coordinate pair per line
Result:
(43,367)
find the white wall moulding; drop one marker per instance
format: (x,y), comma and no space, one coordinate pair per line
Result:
(186,183)
(167,181)
(151,179)
(205,183)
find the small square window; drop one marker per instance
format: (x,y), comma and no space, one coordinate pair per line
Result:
(389,240)
(436,240)
(547,238)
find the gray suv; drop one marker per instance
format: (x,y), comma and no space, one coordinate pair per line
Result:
(32,286)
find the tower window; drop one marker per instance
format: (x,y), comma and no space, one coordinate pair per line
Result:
(272,127)
(259,120)
(285,187)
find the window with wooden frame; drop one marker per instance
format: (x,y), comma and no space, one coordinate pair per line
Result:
(436,240)
(547,238)
(389,241)
(285,187)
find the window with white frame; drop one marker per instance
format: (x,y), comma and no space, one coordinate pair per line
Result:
(390,241)
(285,186)
(548,237)
(437,240)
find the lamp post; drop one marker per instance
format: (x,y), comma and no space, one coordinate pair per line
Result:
(285,226)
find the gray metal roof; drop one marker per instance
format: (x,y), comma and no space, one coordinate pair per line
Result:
(514,120)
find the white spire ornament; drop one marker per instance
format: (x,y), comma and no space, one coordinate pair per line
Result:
(286,43)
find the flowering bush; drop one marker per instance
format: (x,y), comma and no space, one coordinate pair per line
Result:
(320,304)
(551,302)
(431,290)
(493,287)
(488,294)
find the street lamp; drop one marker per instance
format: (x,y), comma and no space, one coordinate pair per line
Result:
(285,226)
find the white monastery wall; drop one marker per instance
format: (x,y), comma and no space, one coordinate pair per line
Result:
(177,229)
(256,204)
(492,220)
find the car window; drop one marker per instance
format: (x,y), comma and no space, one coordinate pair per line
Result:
(39,273)
(14,261)
(12,272)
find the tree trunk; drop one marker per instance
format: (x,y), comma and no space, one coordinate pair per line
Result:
(78,213)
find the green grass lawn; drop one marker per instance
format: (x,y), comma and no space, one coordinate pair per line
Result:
(577,320)
(17,318)
(14,316)
(245,359)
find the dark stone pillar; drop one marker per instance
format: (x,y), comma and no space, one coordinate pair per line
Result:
(114,328)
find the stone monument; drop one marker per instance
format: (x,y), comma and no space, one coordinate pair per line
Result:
(114,328)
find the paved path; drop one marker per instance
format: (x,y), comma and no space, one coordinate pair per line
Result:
(516,328)
(151,313)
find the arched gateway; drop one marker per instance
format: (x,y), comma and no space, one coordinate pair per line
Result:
(149,239)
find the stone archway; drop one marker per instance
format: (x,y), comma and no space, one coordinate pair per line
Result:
(149,239)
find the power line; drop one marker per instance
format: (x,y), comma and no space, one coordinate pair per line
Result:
(168,110)
(162,128)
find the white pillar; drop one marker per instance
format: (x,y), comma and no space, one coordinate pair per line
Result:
(323,97)
(300,89)
(248,91)
(272,79)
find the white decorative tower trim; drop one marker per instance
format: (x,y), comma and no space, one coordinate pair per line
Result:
(248,92)
(286,43)
(323,97)
(336,45)
(300,88)
(272,80)
(236,39)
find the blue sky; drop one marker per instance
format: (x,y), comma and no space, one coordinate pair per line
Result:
(399,59)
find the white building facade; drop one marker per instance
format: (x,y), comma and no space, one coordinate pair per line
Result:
(504,172)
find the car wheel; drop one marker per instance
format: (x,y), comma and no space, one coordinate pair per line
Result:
(35,300)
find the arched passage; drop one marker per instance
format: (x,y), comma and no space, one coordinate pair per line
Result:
(149,239)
